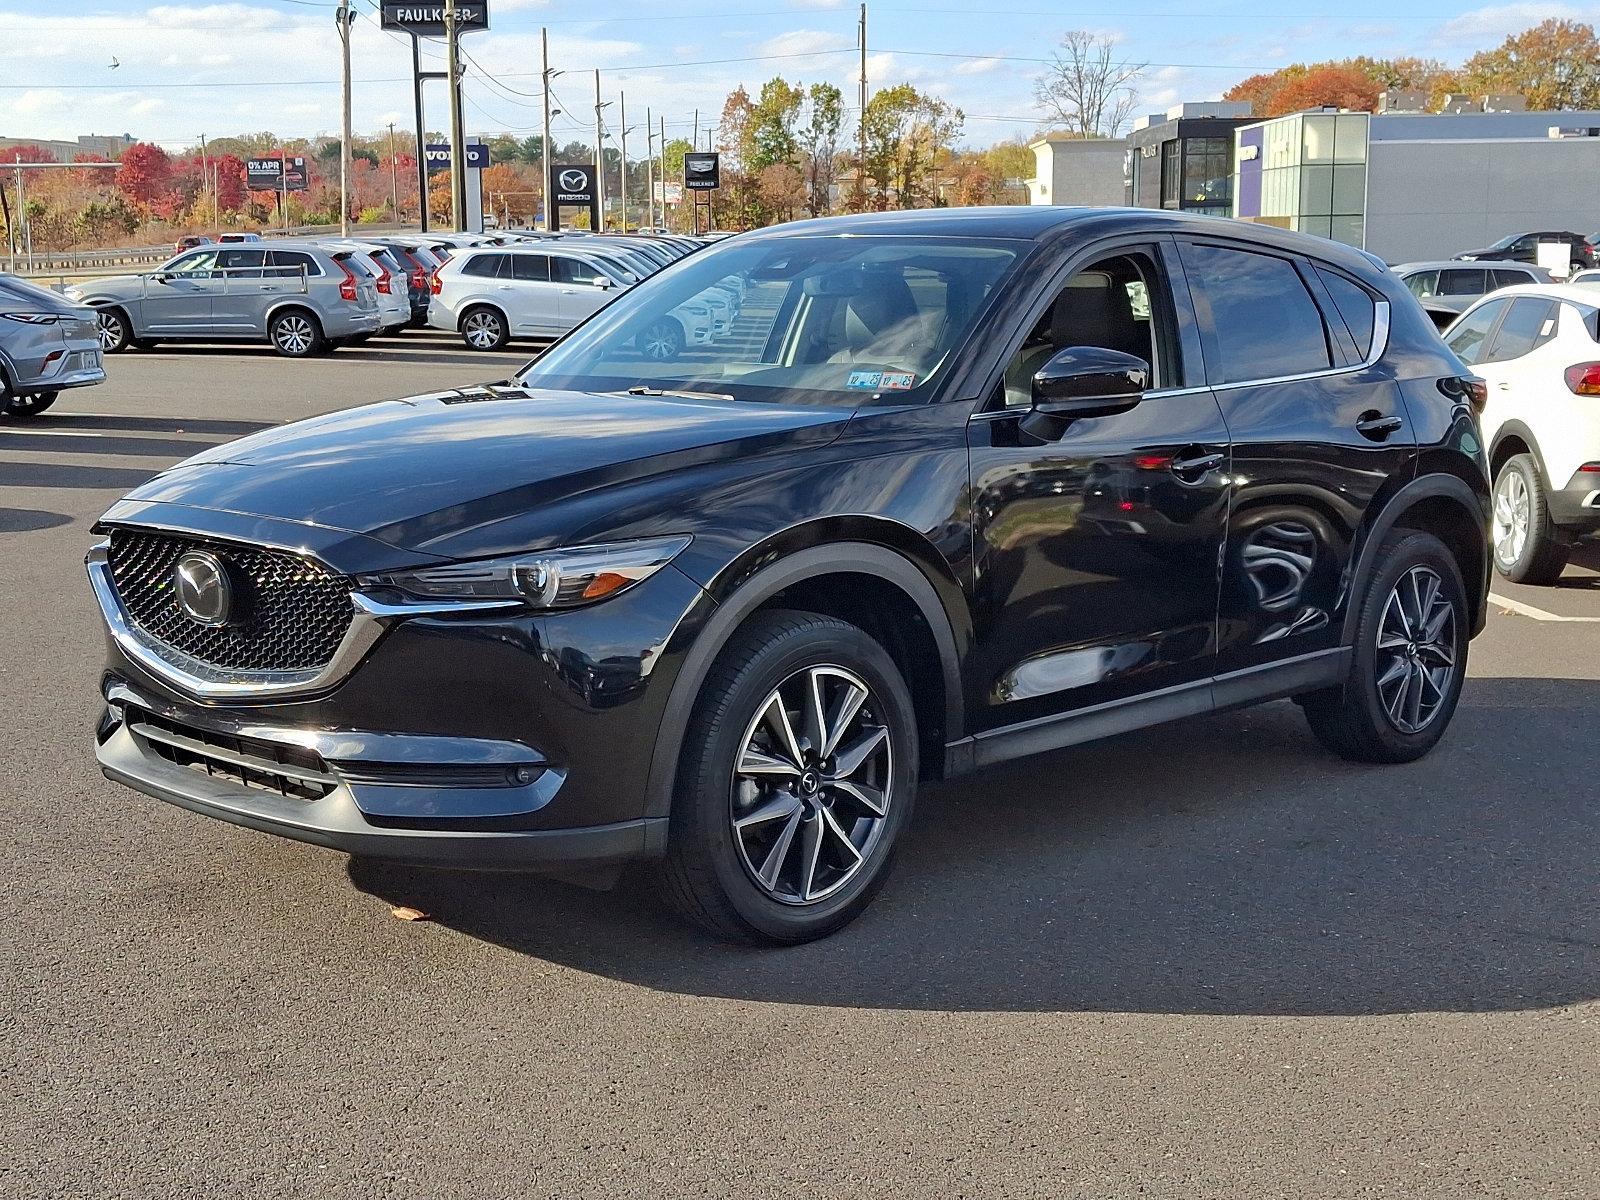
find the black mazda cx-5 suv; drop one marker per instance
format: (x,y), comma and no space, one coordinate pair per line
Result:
(952,487)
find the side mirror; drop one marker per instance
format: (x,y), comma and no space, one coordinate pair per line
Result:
(602,281)
(162,277)
(1088,381)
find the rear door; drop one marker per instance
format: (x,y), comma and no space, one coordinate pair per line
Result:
(241,301)
(1318,432)
(1458,287)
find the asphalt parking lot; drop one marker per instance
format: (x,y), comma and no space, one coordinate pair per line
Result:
(1205,960)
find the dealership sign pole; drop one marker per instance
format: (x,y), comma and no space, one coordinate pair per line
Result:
(419,20)
(702,172)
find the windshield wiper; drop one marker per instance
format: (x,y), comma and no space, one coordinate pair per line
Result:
(638,390)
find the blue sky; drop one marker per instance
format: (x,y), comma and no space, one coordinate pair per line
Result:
(219,68)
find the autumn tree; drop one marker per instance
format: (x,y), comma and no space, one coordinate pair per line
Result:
(771,132)
(1088,88)
(1336,87)
(905,132)
(782,188)
(1554,65)
(145,174)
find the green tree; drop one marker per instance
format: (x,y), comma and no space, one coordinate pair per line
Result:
(771,129)
(818,142)
(905,132)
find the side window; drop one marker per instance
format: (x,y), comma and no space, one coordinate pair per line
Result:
(1466,338)
(194,264)
(1462,282)
(531,268)
(484,266)
(1116,303)
(1355,305)
(1423,284)
(1508,277)
(241,264)
(291,263)
(1530,323)
(572,270)
(1263,323)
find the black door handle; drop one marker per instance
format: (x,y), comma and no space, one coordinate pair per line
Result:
(1199,464)
(1376,426)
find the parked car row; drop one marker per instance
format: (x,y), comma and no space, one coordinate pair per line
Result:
(527,284)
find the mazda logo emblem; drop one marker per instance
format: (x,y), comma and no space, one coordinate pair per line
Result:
(573,180)
(205,593)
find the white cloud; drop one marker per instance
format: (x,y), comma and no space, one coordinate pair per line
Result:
(818,3)
(511,6)
(1486,27)
(804,41)
(979,66)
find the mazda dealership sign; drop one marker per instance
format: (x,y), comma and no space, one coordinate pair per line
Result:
(427,19)
(573,184)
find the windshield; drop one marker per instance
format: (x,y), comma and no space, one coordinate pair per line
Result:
(810,320)
(1506,242)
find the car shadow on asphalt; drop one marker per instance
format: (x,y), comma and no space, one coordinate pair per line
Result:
(1222,865)
(139,425)
(30,520)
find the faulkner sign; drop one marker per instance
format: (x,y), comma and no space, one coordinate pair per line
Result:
(701,171)
(427,20)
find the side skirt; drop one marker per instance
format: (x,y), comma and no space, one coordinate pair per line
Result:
(1272,681)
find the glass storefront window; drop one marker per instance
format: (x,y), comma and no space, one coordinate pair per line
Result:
(1171,182)
(1350,138)
(1207,172)
(1318,137)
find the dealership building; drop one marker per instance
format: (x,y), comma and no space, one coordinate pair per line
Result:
(1411,186)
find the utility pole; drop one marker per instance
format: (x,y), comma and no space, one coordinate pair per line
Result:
(649,168)
(544,144)
(622,125)
(599,156)
(394,179)
(458,137)
(861,161)
(205,173)
(662,144)
(343,18)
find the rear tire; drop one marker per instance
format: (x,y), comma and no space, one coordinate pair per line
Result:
(15,406)
(1410,657)
(784,852)
(484,328)
(296,333)
(1527,547)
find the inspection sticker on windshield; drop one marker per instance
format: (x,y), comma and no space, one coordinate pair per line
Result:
(864,379)
(897,381)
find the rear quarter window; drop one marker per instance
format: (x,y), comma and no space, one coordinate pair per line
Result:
(1356,307)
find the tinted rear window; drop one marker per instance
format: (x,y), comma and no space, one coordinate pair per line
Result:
(531,268)
(294,259)
(486,266)
(1457,282)
(1264,321)
(1355,305)
(1530,323)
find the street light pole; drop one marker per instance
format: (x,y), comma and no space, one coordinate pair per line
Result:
(649,168)
(544,144)
(599,156)
(622,123)
(343,18)
(661,149)
(394,179)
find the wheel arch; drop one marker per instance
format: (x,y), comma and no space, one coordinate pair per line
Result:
(1511,439)
(904,611)
(473,306)
(1448,507)
(284,306)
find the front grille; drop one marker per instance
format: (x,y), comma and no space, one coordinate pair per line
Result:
(288,771)
(293,612)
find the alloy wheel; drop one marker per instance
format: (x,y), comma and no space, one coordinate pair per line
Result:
(109,331)
(659,342)
(482,330)
(295,335)
(1416,660)
(1512,514)
(811,788)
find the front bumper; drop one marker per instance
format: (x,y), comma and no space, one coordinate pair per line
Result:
(406,811)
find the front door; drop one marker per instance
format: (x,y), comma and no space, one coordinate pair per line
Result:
(1318,432)
(1096,541)
(178,298)
(580,292)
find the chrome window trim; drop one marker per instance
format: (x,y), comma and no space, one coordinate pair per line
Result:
(209,682)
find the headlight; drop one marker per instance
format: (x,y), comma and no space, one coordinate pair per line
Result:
(544,579)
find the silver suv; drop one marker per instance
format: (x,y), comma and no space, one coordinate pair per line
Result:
(301,297)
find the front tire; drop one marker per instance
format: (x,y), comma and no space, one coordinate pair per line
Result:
(1410,657)
(484,329)
(662,341)
(1527,548)
(295,333)
(116,334)
(799,773)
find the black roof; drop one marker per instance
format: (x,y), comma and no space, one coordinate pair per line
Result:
(1044,222)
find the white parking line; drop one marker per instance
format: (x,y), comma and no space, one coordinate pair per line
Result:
(57,432)
(1538,614)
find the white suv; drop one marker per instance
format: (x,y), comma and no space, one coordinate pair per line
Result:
(492,294)
(1538,348)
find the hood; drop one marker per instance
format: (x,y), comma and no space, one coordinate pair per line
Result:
(416,473)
